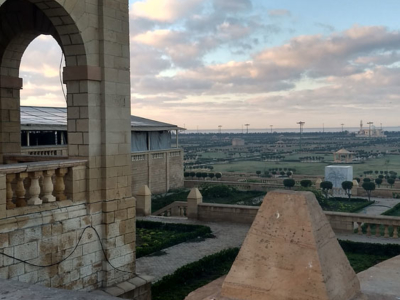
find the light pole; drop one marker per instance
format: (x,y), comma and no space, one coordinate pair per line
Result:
(247,125)
(219,128)
(271,127)
(301,130)
(342,126)
(369,131)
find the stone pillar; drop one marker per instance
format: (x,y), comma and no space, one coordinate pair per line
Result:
(193,200)
(354,188)
(10,124)
(143,198)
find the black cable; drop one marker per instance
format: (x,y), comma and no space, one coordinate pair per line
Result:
(60,74)
(64,259)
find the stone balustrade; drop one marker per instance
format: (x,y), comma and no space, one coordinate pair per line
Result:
(385,226)
(43,182)
(175,209)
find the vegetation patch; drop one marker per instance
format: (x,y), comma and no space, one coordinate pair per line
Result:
(224,194)
(197,274)
(194,275)
(152,237)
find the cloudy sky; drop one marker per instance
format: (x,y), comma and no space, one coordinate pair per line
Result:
(229,62)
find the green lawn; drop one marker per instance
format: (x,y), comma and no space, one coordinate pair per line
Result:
(152,237)
(388,163)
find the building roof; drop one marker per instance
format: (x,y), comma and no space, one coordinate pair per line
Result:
(55,118)
(343,151)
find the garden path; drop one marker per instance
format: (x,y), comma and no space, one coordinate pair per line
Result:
(228,235)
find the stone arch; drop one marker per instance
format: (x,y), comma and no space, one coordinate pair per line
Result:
(24,20)
(21,22)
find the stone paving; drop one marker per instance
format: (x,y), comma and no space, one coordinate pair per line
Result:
(229,235)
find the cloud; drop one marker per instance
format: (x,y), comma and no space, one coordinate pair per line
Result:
(232,5)
(164,10)
(279,13)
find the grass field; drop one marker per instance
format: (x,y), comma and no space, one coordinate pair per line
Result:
(388,163)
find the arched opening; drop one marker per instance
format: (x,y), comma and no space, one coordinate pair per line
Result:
(24,24)
(43,98)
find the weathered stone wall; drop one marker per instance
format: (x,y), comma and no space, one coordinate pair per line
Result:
(159,170)
(46,234)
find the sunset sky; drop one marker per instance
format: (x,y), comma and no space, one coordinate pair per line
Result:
(229,62)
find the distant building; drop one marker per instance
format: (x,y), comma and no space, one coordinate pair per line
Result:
(280,144)
(343,156)
(371,132)
(237,142)
(156,159)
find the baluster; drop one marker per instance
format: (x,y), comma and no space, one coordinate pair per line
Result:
(368,229)
(9,191)
(20,190)
(34,189)
(48,186)
(386,231)
(395,232)
(359,229)
(377,230)
(59,189)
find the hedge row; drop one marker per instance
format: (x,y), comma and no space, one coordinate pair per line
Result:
(185,232)
(194,275)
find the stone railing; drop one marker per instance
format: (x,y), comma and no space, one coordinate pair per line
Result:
(175,209)
(26,158)
(60,150)
(42,182)
(385,226)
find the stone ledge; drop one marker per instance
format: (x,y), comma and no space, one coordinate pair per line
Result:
(129,285)
(15,290)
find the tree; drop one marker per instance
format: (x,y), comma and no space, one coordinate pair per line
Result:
(390,181)
(258,173)
(306,183)
(204,175)
(211,175)
(367,180)
(218,175)
(289,173)
(289,183)
(325,187)
(381,176)
(198,175)
(347,186)
(358,179)
(186,174)
(192,174)
(378,181)
(368,187)
(282,173)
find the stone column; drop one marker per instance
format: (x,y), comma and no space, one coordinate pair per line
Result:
(143,199)
(193,200)
(10,125)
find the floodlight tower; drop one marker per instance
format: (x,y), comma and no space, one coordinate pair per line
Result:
(301,130)
(271,127)
(342,126)
(369,131)
(219,128)
(247,125)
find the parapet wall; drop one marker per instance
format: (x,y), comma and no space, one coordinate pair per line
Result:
(159,170)
(49,233)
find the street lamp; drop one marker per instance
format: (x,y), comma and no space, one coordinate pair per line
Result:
(301,130)
(247,125)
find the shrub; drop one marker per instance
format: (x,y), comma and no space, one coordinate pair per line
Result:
(306,183)
(366,180)
(325,187)
(289,183)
